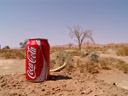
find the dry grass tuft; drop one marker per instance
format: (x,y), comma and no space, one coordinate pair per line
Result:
(13,53)
(74,53)
(103,64)
(123,51)
(88,66)
(108,63)
(60,58)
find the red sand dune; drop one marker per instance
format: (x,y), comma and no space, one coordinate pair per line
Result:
(84,45)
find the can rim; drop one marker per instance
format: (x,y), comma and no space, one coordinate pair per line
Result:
(38,39)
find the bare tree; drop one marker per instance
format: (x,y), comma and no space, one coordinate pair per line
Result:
(23,44)
(80,34)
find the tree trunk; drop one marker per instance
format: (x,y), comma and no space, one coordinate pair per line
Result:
(79,47)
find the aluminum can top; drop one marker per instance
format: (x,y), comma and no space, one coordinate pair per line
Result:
(38,39)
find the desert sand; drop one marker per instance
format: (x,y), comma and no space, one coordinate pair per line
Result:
(64,83)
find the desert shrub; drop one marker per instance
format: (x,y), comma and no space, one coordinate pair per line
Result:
(74,53)
(88,66)
(81,66)
(121,65)
(69,67)
(52,62)
(123,51)
(52,50)
(108,63)
(60,58)
(105,63)
(92,67)
(94,57)
(84,53)
(78,63)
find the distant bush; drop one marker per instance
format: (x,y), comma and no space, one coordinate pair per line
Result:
(123,51)
(6,47)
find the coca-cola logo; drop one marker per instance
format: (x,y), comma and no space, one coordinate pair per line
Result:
(31,56)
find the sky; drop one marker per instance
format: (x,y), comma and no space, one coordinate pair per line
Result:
(24,19)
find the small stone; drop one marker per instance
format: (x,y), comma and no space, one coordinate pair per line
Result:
(13,94)
(53,88)
(88,91)
(1,77)
(114,83)
(53,92)
(19,94)
(83,92)
(57,89)
(14,85)
(95,81)
(61,94)
(64,85)
(43,89)
(2,85)
(3,81)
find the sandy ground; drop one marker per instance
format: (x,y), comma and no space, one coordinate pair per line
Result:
(116,76)
(63,83)
(60,84)
(12,66)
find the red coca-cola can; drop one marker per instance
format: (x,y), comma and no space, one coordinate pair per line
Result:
(37,60)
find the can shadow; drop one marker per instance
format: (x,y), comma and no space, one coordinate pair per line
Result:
(59,77)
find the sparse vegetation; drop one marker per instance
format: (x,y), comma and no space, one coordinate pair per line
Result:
(108,63)
(13,53)
(94,57)
(123,51)
(88,66)
(74,53)
(60,58)
(84,53)
(57,49)
(91,66)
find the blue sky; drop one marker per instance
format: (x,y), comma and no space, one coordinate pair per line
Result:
(23,19)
